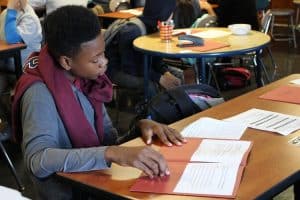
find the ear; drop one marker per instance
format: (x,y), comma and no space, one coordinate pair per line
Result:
(65,62)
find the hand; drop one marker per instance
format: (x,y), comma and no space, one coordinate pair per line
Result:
(205,5)
(15,4)
(166,134)
(146,159)
(169,81)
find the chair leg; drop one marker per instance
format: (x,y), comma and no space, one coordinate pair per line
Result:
(293,31)
(214,77)
(273,63)
(297,16)
(272,25)
(12,168)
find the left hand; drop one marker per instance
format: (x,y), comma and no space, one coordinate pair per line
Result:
(167,135)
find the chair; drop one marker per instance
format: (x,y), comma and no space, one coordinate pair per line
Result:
(265,27)
(297,5)
(4,136)
(288,13)
(116,5)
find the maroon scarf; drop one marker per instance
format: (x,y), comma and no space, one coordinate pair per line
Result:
(41,67)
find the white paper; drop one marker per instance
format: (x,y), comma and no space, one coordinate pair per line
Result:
(222,151)
(208,178)
(296,81)
(8,193)
(212,128)
(212,34)
(180,31)
(268,121)
(132,11)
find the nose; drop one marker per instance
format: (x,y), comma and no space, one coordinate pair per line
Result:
(103,62)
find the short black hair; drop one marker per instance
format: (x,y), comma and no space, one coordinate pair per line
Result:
(68,27)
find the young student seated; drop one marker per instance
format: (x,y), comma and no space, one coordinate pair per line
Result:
(126,64)
(19,23)
(58,110)
(52,5)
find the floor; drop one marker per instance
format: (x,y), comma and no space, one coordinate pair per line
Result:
(287,59)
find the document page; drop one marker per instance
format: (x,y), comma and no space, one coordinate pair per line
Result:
(268,121)
(222,151)
(212,128)
(212,34)
(208,179)
(295,81)
(133,11)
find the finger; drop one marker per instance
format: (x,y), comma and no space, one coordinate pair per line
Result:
(151,165)
(162,136)
(147,134)
(177,135)
(144,168)
(171,136)
(161,163)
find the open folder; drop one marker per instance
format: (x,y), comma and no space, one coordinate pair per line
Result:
(202,167)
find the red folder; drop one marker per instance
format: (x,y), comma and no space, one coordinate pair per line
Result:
(208,46)
(178,158)
(289,94)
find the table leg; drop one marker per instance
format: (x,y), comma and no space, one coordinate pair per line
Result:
(201,64)
(18,64)
(146,78)
(297,190)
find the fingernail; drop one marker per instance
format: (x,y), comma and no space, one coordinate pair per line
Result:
(178,143)
(169,144)
(167,172)
(148,141)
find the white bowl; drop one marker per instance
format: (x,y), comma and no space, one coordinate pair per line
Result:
(240,29)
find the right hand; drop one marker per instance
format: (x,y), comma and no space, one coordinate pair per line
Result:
(145,158)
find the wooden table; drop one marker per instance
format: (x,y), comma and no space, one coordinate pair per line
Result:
(273,164)
(12,51)
(119,14)
(151,45)
(111,16)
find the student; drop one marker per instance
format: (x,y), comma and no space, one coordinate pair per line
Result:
(52,5)
(19,23)
(58,110)
(237,11)
(188,12)
(126,64)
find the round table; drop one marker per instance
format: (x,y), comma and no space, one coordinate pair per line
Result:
(151,45)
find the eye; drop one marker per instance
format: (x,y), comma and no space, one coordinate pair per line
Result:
(95,61)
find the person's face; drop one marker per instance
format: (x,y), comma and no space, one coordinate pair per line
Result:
(90,62)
